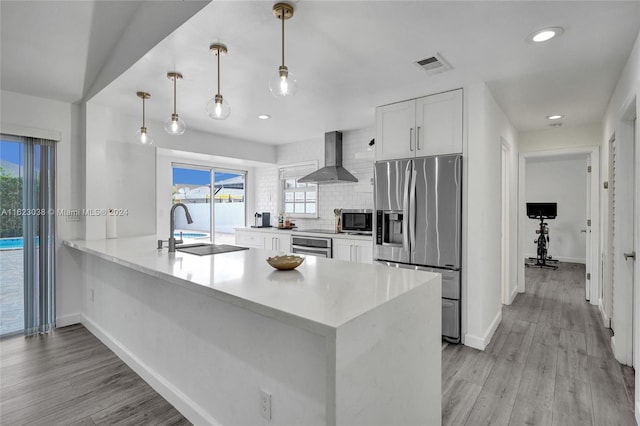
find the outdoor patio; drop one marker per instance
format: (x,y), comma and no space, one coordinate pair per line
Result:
(11,291)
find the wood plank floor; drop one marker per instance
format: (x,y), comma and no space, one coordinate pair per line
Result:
(549,363)
(70,378)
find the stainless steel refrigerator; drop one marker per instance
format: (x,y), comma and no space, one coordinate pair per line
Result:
(418,213)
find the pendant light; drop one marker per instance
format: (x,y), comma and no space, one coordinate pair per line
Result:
(283,83)
(217,107)
(174,125)
(143,136)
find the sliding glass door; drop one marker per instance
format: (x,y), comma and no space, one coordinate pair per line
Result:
(215,199)
(27,235)
(11,238)
(229,204)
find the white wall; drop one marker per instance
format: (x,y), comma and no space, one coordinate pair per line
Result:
(131,178)
(559,137)
(330,196)
(486,125)
(30,116)
(561,180)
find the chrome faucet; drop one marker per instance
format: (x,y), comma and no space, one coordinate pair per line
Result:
(172,225)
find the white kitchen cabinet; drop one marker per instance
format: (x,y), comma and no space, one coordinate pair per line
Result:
(395,125)
(277,242)
(246,238)
(431,125)
(439,124)
(353,250)
(265,240)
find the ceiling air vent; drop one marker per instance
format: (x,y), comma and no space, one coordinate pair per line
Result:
(434,65)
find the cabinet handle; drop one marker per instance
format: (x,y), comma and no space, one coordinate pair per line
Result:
(411,139)
(418,138)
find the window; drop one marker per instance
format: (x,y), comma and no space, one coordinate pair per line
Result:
(298,199)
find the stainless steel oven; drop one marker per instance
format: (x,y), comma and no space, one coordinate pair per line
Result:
(311,246)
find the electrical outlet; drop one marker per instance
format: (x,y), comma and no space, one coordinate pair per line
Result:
(91,295)
(265,404)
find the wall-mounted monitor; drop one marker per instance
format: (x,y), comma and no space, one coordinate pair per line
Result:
(542,210)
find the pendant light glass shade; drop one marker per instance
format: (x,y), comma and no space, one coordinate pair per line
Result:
(283,82)
(142,135)
(218,108)
(174,125)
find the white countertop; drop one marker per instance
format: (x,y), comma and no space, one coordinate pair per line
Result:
(297,231)
(320,295)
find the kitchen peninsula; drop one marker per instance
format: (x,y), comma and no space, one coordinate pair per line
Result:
(330,343)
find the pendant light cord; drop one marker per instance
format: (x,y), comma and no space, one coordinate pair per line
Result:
(282,18)
(218,70)
(174,93)
(143,99)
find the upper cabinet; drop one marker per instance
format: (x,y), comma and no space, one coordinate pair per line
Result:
(431,125)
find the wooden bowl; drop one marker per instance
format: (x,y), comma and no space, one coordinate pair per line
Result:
(285,263)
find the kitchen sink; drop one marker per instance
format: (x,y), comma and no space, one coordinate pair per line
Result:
(179,246)
(207,249)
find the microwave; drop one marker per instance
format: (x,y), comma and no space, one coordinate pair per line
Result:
(357,221)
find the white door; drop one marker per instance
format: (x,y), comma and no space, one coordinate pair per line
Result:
(624,250)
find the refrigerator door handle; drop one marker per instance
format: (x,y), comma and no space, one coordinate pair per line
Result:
(405,206)
(412,209)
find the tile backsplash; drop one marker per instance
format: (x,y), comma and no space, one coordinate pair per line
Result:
(355,158)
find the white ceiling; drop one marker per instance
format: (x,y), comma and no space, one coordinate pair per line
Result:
(351,56)
(54,49)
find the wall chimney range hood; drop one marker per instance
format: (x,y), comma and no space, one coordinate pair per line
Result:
(332,172)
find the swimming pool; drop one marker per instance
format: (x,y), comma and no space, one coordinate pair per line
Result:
(191,234)
(15,243)
(11,243)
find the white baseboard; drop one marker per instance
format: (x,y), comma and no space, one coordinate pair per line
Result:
(482,342)
(70,319)
(514,293)
(187,407)
(606,321)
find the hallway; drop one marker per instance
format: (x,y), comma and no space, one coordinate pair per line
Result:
(549,362)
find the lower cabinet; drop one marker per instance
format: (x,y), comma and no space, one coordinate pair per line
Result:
(250,239)
(264,240)
(277,242)
(353,250)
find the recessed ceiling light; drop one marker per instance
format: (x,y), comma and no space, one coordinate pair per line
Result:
(554,117)
(264,116)
(545,34)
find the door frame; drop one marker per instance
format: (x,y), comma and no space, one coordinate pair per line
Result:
(593,286)
(506,209)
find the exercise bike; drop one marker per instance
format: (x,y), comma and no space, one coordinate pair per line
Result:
(542,211)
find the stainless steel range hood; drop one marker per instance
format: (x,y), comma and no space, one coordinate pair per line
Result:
(332,172)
